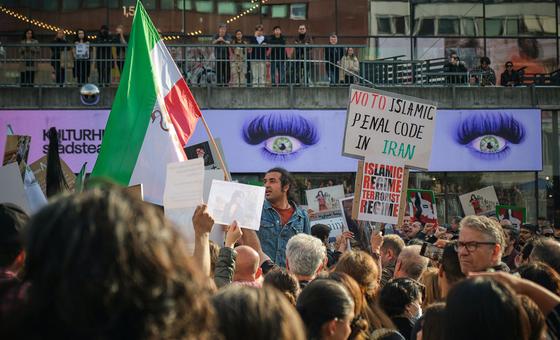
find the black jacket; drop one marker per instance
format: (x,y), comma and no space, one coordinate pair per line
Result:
(257,53)
(277,53)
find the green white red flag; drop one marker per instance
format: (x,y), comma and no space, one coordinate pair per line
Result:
(153,114)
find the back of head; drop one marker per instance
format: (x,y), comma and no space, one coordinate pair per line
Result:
(246,263)
(433,322)
(321,231)
(481,308)
(450,264)
(283,281)
(321,301)
(393,242)
(386,334)
(412,264)
(360,325)
(102,264)
(251,313)
(542,274)
(547,250)
(430,280)
(12,221)
(305,254)
(534,316)
(362,268)
(397,294)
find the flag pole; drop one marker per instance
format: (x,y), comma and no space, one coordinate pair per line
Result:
(227,177)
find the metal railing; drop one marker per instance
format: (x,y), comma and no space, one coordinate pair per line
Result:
(226,65)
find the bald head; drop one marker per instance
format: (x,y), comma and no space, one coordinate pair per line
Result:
(410,263)
(246,264)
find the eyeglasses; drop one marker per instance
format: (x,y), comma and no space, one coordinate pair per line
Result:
(470,246)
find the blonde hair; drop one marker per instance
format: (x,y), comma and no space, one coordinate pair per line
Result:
(430,280)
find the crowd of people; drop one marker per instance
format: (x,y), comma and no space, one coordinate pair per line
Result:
(482,75)
(102,264)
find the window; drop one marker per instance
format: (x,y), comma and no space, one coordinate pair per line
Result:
(448,26)
(70,5)
(384,25)
(227,8)
(389,18)
(204,6)
(448,18)
(425,26)
(298,11)
(279,11)
(528,18)
(184,5)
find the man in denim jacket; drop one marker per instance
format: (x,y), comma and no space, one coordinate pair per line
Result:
(281,217)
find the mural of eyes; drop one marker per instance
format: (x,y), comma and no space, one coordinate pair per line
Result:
(490,136)
(282,136)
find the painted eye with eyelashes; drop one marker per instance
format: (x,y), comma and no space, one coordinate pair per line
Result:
(283,136)
(490,136)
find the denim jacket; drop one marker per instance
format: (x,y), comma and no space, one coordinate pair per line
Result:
(274,236)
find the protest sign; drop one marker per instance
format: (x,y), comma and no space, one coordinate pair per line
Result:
(234,201)
(421,206)
(517,215)
(17,150)
(479,202)
(378,191)
(208,152)
(360,229)
(391,126)
(39,169)
(12,186)
(332,218)
(325,198)
(136,191)
(184,184)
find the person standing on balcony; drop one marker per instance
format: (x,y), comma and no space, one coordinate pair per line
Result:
(302,55)
(257,56)
(277,56)
(239,59)
(484,75)
(455,66)
(349,66)
(29,52)
(60,57)
(120,51)
(103,56)
(222,55)
(333,54)
(82,56)
(510,77)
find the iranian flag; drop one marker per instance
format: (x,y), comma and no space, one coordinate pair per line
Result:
(153,114)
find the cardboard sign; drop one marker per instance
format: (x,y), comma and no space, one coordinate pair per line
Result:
(421,206)
(479,202)
(39,169)
(207,152)
(331,218)
(12,186)
(389,126)
(234,201)
(517,215)
(136,191)
(326,198)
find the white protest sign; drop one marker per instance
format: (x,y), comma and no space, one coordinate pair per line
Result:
(325,198)
(391,126)
(480,202)
(183,192)
(333,219)
(234,201)
(12,186)
(184,184)
(379,192)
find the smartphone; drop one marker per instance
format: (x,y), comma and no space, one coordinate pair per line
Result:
(432,252)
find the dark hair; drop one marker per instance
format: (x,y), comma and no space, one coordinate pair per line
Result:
(321,231)
(258,27)
(283,281)
(322,301)
(433,321)
(482,308)
(214,253)
(25,34)
(547,250)
(397,294)
(485,60)
(533,228)
(102,264)
(285,179)
(528,248)
(451,265)
(275,27)
(251,313)
(55,179)
(534,316)
(78,35)
(542,274)
(12,221)
(359,324)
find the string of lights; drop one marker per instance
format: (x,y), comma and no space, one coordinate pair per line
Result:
(247,11)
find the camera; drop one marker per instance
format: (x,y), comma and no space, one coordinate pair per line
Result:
(89,94)
(432,252)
